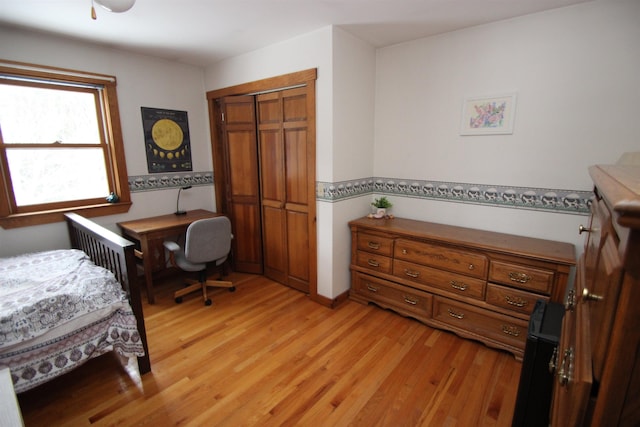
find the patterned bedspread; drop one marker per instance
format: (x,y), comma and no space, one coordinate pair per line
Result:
(57,310)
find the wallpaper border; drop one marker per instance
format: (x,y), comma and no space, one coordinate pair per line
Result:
(139,183)
(574,202)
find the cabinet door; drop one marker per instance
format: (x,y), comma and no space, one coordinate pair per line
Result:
(572,387)
(603,272)
(599,226)
(602,298)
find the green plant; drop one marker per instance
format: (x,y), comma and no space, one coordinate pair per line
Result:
(382,202)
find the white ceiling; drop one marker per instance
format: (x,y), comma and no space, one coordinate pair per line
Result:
(202,32)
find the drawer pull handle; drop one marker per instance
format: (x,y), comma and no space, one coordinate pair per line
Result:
(516,301)
(565,373)
(455,315)
(404,252)
(514,331)
(458,286)
(372,288)
(373,263)
(519,277)
(414,274)
(583,229)
(471,266)
(588,296)
(553,362)
(410,300)
(374,245)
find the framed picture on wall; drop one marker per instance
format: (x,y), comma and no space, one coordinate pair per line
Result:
(488,115)
(166,139)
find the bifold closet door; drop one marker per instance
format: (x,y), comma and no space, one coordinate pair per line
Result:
(240,152)
(284,182)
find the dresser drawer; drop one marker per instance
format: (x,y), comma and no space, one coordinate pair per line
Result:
(374,262)
(468,263)
(521,276)
(512,299)
(455,283)
(480,323)
(400,298)
(375,244)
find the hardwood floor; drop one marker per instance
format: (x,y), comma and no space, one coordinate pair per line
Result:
(266,355)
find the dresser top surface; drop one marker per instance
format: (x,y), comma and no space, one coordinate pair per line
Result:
(619,185)
(560,252)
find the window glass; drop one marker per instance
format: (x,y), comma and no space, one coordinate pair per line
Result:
(38,115)
(51,176)
(61,145)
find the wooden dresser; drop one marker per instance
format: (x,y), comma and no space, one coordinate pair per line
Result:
(598,359)
(479,284)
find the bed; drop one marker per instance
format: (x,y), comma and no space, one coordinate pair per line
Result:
(60,308)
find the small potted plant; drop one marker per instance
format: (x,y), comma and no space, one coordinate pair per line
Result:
(381,205)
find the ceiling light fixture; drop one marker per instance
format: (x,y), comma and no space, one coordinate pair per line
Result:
(117,6)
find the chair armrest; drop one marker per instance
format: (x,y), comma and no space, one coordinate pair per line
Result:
(171,246)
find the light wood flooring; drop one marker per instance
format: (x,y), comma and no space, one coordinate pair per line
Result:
(266,355)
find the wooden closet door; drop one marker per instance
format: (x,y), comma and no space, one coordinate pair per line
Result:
(284,176)
(242,182)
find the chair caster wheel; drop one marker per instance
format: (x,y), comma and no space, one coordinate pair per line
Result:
(178,300)
(207,302)
(232,289)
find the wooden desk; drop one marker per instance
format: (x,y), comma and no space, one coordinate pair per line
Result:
(152,232)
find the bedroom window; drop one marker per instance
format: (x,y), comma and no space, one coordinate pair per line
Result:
(60,145)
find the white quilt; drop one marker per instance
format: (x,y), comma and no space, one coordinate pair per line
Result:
(57,310)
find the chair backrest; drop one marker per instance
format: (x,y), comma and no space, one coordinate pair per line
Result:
(208,240)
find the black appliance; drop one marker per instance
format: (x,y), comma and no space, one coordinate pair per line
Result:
(536,381)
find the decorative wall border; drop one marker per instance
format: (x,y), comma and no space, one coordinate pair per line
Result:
(574,202)
(543,199)
(139,183)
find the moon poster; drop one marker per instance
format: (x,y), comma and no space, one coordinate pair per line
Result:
(166,138)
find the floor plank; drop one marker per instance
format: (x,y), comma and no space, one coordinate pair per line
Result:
(266,355)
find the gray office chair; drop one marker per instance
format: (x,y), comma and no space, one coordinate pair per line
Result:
(206,241)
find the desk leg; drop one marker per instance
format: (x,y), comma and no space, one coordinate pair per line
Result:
(147,263)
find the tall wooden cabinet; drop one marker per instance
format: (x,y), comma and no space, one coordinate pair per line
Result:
(598,358)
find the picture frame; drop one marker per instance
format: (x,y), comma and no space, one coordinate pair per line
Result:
(167,140)
(488,115)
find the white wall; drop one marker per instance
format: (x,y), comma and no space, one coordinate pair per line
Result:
(576,71)
(142,82)
(352,154)
(344,124)
(311,50)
